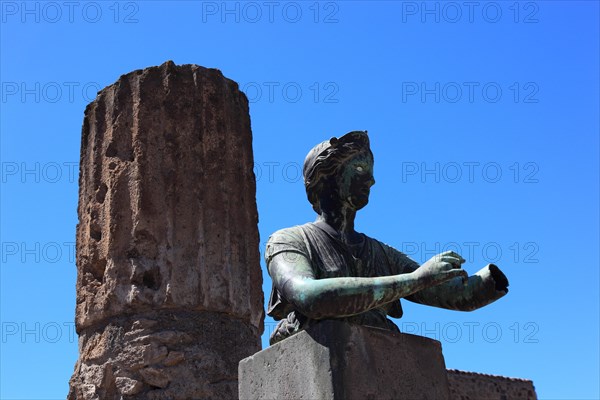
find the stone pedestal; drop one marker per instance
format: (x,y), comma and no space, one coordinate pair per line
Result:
(169,285)
(335,360)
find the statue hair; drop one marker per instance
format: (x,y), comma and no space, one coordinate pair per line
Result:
(325,160)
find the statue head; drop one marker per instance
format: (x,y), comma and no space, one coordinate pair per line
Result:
(340,170)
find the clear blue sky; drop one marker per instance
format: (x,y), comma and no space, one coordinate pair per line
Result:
(484,123)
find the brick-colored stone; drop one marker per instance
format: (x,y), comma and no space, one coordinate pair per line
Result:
(169,285)
(474,386)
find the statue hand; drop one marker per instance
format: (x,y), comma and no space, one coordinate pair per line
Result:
(441,268)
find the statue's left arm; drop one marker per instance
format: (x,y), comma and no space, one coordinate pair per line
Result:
(481,289)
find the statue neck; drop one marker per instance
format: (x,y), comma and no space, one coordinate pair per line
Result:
(342,220)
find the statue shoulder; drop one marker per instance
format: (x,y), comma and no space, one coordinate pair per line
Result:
(292,239)
(291,234)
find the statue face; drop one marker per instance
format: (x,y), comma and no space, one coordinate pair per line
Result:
(355,180)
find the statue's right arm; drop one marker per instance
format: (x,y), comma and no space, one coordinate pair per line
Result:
(341,297)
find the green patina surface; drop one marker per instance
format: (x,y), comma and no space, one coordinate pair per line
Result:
(327,270)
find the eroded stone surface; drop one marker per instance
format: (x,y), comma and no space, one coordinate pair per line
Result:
(473,386)
(336,360)
(169,294)
(196,358)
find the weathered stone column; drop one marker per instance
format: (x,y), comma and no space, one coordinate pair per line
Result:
(169,295)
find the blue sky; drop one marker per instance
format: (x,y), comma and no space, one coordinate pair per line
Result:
(483,120)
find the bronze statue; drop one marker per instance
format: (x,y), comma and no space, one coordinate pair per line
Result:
(328,270)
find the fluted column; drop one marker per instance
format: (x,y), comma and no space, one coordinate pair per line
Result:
(169,294)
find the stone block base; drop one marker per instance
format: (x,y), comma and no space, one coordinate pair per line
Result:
(335,360)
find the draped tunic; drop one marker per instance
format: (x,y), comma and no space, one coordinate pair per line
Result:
(330,257)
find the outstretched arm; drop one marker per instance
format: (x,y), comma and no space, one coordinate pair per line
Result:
(481,289)
(341,297)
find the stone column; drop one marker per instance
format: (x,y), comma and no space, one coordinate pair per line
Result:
(169,286)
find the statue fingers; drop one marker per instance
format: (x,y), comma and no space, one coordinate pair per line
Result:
(456,261)
(448,266)
(451,255)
